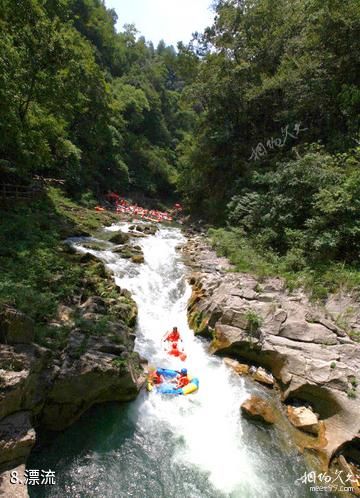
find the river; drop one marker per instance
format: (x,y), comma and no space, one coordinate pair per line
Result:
(196,446)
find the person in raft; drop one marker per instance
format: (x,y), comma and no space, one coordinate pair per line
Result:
(174,351)
(157,378)
(182,379)
(172,336)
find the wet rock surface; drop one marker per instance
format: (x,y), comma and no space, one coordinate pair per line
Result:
(126,246)
(119,238)
(258,409)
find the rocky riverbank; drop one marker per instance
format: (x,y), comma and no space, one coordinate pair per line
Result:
(83,357)
(260,323)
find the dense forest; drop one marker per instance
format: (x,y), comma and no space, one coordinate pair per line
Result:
(81,102)
(255,123)
(275,151)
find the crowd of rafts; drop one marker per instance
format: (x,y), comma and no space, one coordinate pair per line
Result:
(121,205)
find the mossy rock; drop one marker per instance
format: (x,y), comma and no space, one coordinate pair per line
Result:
(119,238)
(138,258)
(124,251)
(148,229)
(126,310)
(97,269)
(88,258)
(199,324)
(127,254)
(95,246)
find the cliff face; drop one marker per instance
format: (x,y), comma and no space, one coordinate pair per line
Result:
(261,323)
(52,386)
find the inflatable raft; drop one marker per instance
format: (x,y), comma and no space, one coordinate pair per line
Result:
(169,388)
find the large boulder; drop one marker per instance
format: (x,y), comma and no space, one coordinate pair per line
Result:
(87,258)
(308,332)
(353,470)
(147,229)
(95,369)
(17,437)
(138,258)
(303,418)
(239,368)
(119,238)
(126,310)
(260,375)
(129,251)
(256,408)
(25,375)
(15,327)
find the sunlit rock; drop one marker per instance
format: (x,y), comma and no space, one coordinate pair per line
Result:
(303,418)
(256,408)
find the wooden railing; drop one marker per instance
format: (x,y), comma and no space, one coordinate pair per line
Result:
(20,192)
(48,181)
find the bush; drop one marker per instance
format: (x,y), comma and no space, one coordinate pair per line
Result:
(353,381)
(247,255)
(36,273)
(254,321)
(88,200)
(306,209)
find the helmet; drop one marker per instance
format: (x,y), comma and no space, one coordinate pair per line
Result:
(158,372)
(183,371)
(175,328)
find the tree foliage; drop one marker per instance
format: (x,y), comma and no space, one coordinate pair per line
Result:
(277,99)
(85,103)
(255,122)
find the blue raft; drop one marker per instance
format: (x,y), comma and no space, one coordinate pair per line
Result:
(168,388)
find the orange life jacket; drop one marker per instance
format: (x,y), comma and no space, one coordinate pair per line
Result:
(174,352)
(183,381)
(173,336)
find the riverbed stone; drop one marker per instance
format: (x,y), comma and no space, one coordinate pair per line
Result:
(119,238)
(147,228)
(303,418)
(138,258)
(260,375)
(239,368)
(258,409)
